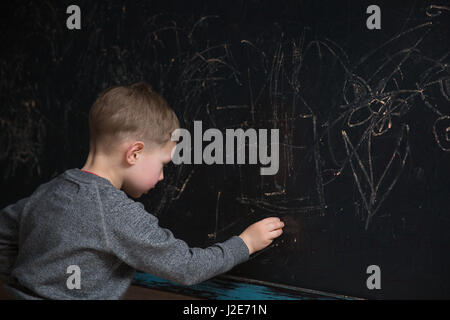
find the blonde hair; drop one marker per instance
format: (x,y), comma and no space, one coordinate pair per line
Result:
(134,111)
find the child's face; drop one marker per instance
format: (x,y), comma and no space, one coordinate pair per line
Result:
(148,170)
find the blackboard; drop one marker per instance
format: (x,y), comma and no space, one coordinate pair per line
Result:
(363,116)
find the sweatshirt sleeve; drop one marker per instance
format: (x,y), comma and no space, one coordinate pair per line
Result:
(134,235)
(9,235)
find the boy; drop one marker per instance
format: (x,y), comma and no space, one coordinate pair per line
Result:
(84,220)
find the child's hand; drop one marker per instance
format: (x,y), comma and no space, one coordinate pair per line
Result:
(260,234)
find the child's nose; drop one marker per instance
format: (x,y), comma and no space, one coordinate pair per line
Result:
(161,176)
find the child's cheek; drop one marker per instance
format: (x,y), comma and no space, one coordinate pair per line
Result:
(153,177)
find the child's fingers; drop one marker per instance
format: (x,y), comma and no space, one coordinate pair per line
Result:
(275,225)
(276,233)
(271,220)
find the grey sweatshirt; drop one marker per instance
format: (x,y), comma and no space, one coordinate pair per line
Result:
(80,220)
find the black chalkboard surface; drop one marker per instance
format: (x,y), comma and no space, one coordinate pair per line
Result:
(362,112)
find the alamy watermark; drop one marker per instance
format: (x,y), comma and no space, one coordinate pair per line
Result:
(73,21)
(213,153)
(374,280)
(74,280)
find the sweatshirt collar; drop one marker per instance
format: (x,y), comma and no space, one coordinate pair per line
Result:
(87,177)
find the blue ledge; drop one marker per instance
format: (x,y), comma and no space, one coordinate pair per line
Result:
(226,287)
